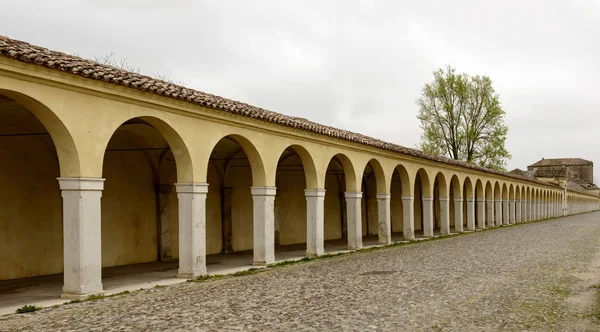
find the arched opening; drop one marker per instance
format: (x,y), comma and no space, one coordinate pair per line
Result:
(339,179)
(440,201)
(234,166)
(373,184)
(517,204)
(511,204)
(295,173)
(31,224)
(456,205)
(423,193)
(400,196)
(489,204)
(469,209)
(143,160)
(479,205)
(497,204)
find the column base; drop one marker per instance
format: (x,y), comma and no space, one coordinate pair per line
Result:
(70,296)
(190,275)
(262,263)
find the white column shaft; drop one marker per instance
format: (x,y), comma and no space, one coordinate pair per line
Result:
(81,236)
(427,216)
(498,220)
(408,217)
(513,211)
(315,222)
(444,215)
(481,213)
(353,205)
(490,213)
(192,229)
(458,215)
(470,214)
(384,218)
(505,212)
(264,224)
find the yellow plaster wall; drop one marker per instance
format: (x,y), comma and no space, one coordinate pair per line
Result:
(396,212)
(31,241)
(290,203)
(333,226)
(129,221)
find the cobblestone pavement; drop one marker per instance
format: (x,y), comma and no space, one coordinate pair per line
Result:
(528,277)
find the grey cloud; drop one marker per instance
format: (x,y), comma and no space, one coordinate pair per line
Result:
(358,65)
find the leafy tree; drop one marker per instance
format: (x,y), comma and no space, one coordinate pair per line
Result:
(462,118)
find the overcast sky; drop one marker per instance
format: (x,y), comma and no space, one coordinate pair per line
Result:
(357,65)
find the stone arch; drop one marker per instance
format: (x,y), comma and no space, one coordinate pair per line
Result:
(468,188)
(440,179)
(176,143)
(517,192)
(479,189)
(66,149)
(380,178)
(456,187)
(511,192)
(497,191)
(310,170)
(427,189)
(349,172)
(504,191)
(259,177)
(489,190)
(406,181)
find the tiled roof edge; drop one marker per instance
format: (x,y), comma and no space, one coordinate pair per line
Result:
(28,53)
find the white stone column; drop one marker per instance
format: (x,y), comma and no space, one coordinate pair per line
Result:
(192,229)
(490,213)
(444,215)
(408,217)
(531,211)
(513,211)
(498,220)
(315,222)
(384,218)
(481,213)
(427,216)
(82,243)
(354,216)
(518,212)
(470,214)
(264,224)
(505,211)
(524,211)
(458,215)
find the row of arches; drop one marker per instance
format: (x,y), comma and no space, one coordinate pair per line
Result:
(157,201)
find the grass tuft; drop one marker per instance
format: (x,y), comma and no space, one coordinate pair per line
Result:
(27,308)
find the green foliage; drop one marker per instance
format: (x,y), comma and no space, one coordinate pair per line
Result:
(462,119)
(27,308)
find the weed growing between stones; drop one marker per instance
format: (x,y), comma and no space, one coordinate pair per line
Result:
(27,308)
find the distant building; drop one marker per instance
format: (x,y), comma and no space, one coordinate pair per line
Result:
(575,173)
(575,168)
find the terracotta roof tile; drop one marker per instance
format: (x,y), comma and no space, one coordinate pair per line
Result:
(25,52)
(562,161)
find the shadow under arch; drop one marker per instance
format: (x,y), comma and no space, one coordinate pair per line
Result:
(349,172)
(310,171)
(380,180)
(183,160)
(66,149)
(257,167)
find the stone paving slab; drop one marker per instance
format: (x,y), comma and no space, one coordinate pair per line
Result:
(526,277)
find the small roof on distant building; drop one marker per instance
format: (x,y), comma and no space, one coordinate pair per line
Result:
(550,172)
(562,161)
(519,172)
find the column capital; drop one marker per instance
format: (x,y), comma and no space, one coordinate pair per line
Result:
(85,184)
(314,192)
(444,199)
(469,199)
(491,200)
(353,194)
(498,199)
(427,198)
(459,199)
(481,200)
(191,188)
(408,196)
(263,191)
(384,196)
